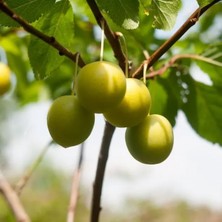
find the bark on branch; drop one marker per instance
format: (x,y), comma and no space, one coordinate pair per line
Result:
(13,200)
(101,166)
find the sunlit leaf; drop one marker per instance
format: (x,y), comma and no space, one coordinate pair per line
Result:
(30,10)
(123,12)
(164,13)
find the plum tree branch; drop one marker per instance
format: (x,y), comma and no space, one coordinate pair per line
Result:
(13,200)
(32,30)
(110,35)
(173,60)
(101,165)
(171,41)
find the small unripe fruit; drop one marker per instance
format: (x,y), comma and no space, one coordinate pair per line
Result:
(134,106)
(5,75)
(69,123)
(151,141)
(100,86)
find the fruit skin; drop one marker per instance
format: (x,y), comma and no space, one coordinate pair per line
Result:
(151,141)
(100,85)
(5,75)
(133,108)
(69,123)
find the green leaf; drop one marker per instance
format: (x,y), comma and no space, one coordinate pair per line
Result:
(203,2)
(212,65)
(164,13)
(123,12)
(59,24)
(203,110)
(30,10)
(164,95)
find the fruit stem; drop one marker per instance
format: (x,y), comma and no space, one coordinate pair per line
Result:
(75,75)
(126,53)
(144,72)
(102,40)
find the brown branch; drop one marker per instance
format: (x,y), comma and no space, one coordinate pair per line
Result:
(75,187)
(171,41)
(173,60)
(47,39)
(111,36)
(101,165)
(169,64)
(13,200)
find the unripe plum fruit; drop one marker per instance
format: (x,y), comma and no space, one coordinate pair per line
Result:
(5,75)
(100,86)
(151,141)
(69,123)
(133,108)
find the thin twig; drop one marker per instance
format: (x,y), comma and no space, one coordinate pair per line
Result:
(75,187)
(13,200)
(171,41)
(25,178)
(48,39)
(172,61)
(101,165)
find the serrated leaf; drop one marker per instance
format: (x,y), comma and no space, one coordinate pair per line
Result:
(30,10)
(203,110)
(59,24)
(164,13)
(212,65)
(203,2)
(123,12)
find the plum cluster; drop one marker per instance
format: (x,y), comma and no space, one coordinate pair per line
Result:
(101,87)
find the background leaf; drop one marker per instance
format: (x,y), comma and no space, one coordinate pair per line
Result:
(123,12)
(203,2)
(164,13)
(59,24)
(214,53)
(163,96)
(30,10)
(203,110)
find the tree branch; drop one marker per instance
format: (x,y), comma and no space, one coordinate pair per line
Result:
(111,36)
(171,41)
(172,61)
(25,178)
(101,165)
(75,188)
(48,39)
(13,200)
